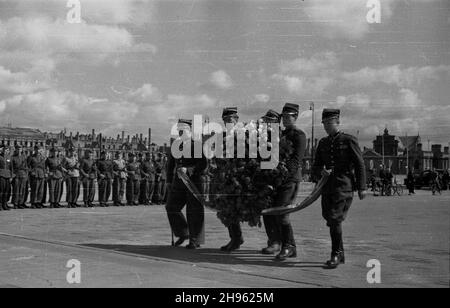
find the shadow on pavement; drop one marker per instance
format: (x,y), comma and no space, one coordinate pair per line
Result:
(206,255)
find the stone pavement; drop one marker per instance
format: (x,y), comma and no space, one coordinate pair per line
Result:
(130,247)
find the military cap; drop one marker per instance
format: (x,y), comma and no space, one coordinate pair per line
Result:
(272,116)
(329,114)
(185,121)
(229,112)
(131,154)
(36,147)
(148,154)
(52,150)
(291,109)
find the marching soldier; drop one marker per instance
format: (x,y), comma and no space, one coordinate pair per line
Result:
(5,178)
(105,177)
(158,178)
(148,179)
(55,178)
(36,165)
(120,177)
(20,178)
(293,139)
(230,116)
(133,180)
(179,195)
(88,171)
(270,222)
(338,155)
(72,169)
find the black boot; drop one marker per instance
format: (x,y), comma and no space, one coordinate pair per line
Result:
(337,257)
(288,251)
(337,247)
(180,241)
(5,207)
(236,241)
(193,244)
(271,249)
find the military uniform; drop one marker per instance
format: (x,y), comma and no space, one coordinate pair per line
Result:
(88,171)
(148,181)
(5,180)
(120,177)
(20,180)
(341,154)
(133,182)
(36,165)
(105,177)
(72,166)
(55,179)
(157,198)
(179,197)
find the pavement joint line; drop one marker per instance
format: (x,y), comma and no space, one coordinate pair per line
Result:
(159,259)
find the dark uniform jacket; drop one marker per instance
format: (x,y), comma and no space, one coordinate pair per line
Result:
(105,168)
(341,154)
(19,166)
(148,170)
(54,167)
(292,150)
(134,171)
(5,167)
(36,163)
(195,166)
(88,168)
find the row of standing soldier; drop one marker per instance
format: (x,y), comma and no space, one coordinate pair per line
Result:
(338,156)
(140,181)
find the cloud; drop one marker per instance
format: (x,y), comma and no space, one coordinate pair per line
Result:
(344,18)
(395,75)
(146,94)
(308,77)
(221,80)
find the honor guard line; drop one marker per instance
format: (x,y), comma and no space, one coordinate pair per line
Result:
(213,146)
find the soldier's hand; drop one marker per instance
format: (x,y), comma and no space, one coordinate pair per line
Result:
(326,172)
(362,194)
(183,169)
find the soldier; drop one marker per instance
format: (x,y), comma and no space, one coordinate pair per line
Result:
(163,180)
(36,165)
(148,180)
(293,140)
(120,177)
(55,178)
(179,196)
(410,180)
(230,116)
(133,180)
(158,178)
(20,178)
(105,176)
(445,180)
(338,155)
(5,178)
(88,171)
(72,169)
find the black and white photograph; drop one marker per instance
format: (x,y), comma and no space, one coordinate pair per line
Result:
(228,151)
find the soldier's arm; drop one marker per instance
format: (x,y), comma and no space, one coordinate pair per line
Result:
(84,174)
(299,143)
(358,162)
(170,168)
(318,164)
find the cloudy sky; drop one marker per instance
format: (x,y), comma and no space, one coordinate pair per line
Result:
(134,64)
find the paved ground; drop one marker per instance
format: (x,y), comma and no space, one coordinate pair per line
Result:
(129,247)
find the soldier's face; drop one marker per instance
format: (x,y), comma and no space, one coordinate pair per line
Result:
(331,126)
(230,120)
(289,119)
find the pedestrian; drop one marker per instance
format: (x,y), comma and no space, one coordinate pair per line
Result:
(191,229)
(120,177)
(410,180)
(88,172)
(133,180)
(445,179)
(20,178)
(5,177)
(55,178)
(72,169)
(340,157)
(36,165)
(148,180)
(104,168)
